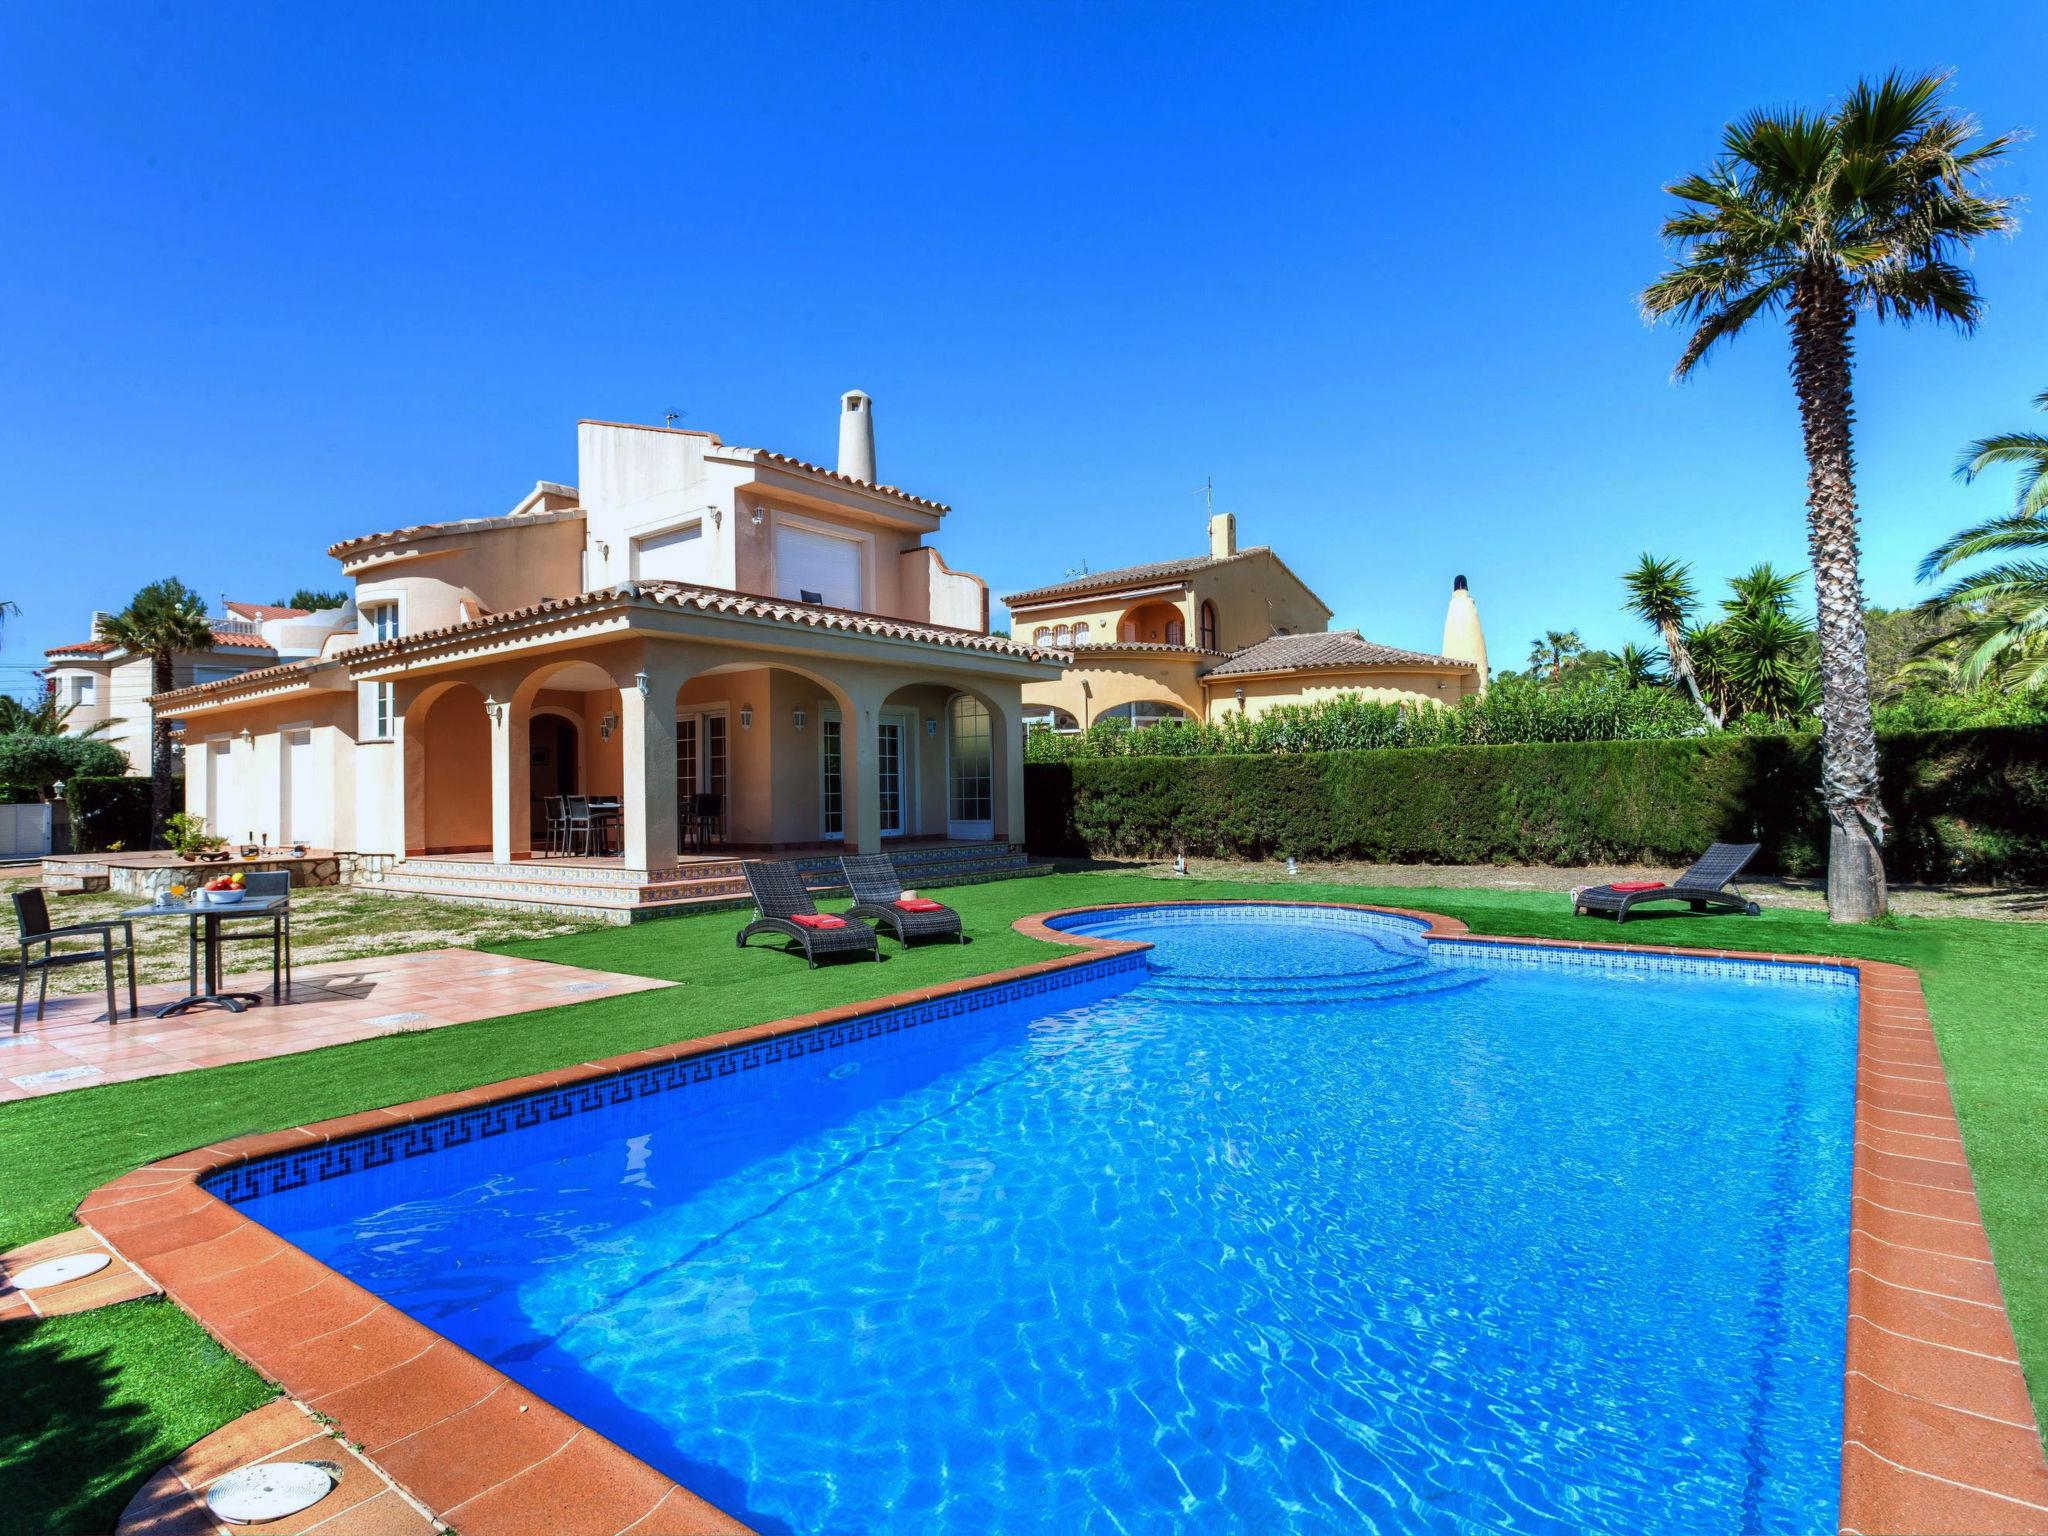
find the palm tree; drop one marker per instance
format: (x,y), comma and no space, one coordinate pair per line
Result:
(1661,594)
(1639,668)
(1815,216)
(46,717)
(1555,651)
(2003,607)
(2026,451)
(1765,651)
(162,619)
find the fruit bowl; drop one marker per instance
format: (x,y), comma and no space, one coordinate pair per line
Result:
(221,898)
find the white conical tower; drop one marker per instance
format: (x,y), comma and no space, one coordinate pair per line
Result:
(857,436)
(1464,640)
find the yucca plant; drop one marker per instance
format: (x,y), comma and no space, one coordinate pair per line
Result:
(1818,217)
(1661,594)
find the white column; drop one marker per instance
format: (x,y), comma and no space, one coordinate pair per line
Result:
(511,783)
(860,753)
(647,731)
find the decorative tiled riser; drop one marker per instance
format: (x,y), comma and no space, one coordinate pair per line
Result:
(1502,957)
(469,1127)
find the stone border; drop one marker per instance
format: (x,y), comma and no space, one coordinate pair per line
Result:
(1938,1430)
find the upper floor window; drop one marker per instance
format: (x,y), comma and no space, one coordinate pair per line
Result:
(1062,636)
(1127,631)
(814,566)
(1175,633)
(1209,627)
(1080,634)
(84,690)
(214,674)
(382,619)
(681,554)
(381,712)
(1042,635)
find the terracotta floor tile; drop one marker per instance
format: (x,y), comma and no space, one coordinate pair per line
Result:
(256,1436)
(477,1449)
(1943,1376)
(337,1360)
(1963,1279)
(385,1513)
(1910,1432)
(585,1486)
(1974,1326)
(408,1398)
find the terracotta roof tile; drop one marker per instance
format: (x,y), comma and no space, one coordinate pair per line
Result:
(1130,575)
(790,461)
(681,595)
(83,648)
(1337,650)
(261,612)
(456,525)
(229,640)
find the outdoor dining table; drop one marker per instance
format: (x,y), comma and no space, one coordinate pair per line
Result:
(607,814)
(210,913)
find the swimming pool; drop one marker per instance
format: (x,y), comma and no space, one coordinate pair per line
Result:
(1296,1223)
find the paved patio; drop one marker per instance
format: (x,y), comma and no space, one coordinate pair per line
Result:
(331,1004)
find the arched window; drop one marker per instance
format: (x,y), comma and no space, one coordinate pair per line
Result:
(1080,634)
(1146,712)
(1062,637)
(1209,627)
(1041,635)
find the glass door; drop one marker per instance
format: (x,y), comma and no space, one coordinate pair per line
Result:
(700,766)
(890,776)
(831,801)
(970,770)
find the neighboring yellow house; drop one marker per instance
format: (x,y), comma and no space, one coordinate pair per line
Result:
(693,619)
(1232,630)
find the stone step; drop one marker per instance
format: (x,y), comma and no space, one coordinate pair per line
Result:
(1312,994)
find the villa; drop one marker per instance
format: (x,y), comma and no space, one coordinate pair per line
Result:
(1232,630)
(742,648)
(105,684)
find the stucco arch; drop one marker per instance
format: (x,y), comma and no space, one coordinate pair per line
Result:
(447,747)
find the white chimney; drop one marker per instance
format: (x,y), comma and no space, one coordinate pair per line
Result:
(1464,640)
(1222,535)
(857,436)
(99,621)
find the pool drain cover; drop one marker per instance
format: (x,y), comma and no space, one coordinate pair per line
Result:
(251,1495)
(73,1266)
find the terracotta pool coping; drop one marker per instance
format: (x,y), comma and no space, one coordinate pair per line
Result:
(1938,1430)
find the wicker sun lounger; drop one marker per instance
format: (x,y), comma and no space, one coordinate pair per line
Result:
(780,897)
(876,891)
(1705,887)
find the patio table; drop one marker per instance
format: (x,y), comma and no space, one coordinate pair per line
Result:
(211,913)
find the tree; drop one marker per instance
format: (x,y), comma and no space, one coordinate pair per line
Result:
(1765,651)
(2025,451)
(312,600)
(1661,594)
(46,717)
(1555,651)
(1634,667)
(162,619)
(1816,217)
(2002,609)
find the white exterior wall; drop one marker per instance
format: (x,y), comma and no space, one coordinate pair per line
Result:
(637,482)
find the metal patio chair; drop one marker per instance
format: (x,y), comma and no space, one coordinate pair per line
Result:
(32,919)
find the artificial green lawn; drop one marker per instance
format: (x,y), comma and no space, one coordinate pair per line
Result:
(1987,986)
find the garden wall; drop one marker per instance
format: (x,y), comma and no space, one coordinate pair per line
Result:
(1963,804)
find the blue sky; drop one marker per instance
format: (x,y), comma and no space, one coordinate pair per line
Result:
(274,277)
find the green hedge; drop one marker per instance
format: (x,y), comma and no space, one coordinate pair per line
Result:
(110,810)
(1964,804)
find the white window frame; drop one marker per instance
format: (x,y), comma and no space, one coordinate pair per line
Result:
(661,528)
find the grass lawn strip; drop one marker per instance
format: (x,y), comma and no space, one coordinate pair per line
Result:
(1986,985)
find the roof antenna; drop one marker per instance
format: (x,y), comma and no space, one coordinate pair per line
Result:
(1207,491)
(1078,570)
(672,416)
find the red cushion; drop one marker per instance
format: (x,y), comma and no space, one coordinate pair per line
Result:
(1638,885)
(920,904)
(818,920)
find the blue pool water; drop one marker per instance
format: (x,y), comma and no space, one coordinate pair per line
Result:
(1308,1227)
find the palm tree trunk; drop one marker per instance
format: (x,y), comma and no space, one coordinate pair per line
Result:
(1681,663)
(1821,355)
(159,751)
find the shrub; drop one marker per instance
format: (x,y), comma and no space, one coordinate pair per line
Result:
(1964,804)
(1510,711)
(35,763)
(108,810)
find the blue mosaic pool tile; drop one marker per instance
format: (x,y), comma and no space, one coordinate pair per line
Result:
(1506,956)
(470,1127)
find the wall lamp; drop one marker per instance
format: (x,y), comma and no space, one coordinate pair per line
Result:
(746,717)
(799,716)
(640,682)
(1240,698)
(759,513)
(494,709)
(248,736)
